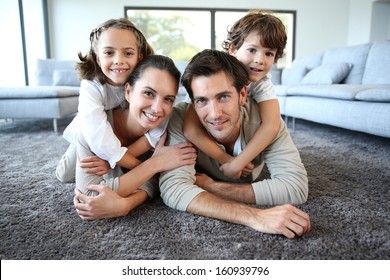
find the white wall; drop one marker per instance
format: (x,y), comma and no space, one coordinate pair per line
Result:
(320,24)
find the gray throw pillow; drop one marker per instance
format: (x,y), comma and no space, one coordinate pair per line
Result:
(326,74)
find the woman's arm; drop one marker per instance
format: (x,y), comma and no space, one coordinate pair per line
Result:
(164,158)
(138,148)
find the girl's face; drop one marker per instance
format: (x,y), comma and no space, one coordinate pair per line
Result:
(257,58)
(117,55)
(151,98)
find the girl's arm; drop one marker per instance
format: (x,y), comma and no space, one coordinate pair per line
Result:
(193,130)
(268,129)
(138,148)
(129,160)
(94,124)
(164,158)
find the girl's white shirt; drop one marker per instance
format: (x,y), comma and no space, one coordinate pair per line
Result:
(94,100)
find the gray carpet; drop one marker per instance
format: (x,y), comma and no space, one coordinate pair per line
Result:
(349,180)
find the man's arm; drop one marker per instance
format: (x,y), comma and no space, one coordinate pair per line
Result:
(286,219)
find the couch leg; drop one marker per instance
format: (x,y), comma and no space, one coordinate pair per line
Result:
(293,123)
(55,126)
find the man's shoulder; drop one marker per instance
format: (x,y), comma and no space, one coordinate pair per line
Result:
(175,126)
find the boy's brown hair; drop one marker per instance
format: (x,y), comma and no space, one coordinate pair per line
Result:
(271,30)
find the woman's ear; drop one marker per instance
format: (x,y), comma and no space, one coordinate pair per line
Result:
(128,90)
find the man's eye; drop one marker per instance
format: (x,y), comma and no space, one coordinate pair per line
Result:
(224,97)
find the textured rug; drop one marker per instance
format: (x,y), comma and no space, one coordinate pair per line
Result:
(349,181)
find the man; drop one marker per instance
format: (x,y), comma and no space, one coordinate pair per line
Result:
(216,83)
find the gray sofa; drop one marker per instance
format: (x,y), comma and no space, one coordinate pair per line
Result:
(344,87)
(55,95)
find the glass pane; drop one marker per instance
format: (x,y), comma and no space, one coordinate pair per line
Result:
(177,34)
(35,35)
(12,72)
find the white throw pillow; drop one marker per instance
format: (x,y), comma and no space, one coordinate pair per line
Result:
(326,74)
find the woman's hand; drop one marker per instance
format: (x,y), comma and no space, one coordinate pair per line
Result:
(170,157)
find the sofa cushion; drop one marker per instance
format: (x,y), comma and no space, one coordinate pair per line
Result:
(355,55)
(281,90)
(300,66)
(64,77)
(336,91)
(46,67)
(331,73)
(377,71)
(376,94)
(293,75)
(33,92)
(308,61)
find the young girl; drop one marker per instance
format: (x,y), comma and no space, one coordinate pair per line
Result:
(258,41)
(116,48)
(150,93)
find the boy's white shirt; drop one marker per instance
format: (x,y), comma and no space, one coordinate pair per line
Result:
(94,100)
(262,90)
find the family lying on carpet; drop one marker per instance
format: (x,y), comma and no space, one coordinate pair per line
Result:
(126,109)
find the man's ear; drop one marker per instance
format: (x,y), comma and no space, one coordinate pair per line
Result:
(243,95)
(128,90)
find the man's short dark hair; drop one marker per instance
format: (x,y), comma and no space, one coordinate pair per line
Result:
(209,62)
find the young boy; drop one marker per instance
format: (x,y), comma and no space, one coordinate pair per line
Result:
(257,40)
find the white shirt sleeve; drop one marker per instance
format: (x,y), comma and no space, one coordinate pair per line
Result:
(94,125)
(155,134)
(262,90)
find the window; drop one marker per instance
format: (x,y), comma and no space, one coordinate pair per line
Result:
(180,33)
(24,28)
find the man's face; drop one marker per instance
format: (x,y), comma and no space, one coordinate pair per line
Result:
(217,104)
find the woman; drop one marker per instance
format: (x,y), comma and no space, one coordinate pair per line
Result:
(150,93)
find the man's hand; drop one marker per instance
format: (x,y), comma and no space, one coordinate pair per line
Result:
(285,219)
(95,165)
(107,204)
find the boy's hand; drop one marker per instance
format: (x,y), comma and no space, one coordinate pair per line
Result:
(230,170)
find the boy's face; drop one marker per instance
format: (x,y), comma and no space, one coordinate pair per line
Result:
(257,58)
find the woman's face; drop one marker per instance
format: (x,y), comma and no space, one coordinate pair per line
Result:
(151,98)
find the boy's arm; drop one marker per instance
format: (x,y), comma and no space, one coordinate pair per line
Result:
(268,129)
(195,133)
(138,148)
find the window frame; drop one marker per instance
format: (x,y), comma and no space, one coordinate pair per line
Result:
(213,11)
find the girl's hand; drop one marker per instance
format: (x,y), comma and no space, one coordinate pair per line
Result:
(95,165)
(170,157)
